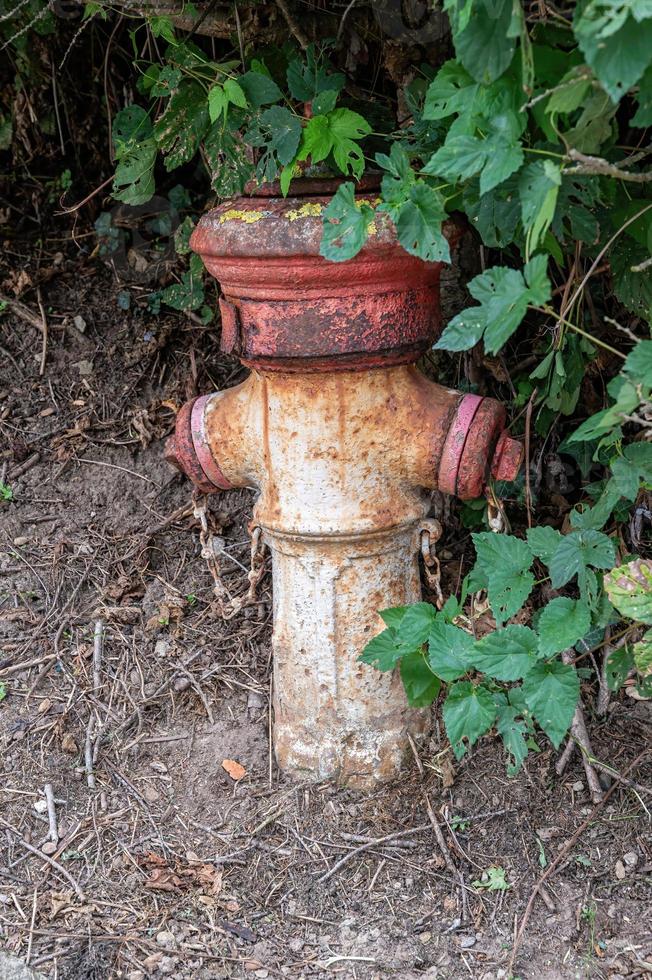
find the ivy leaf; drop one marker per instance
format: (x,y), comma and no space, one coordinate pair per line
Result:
(449,650)
(629,588)
(307,79)
(575,552)
(336,132)
(562,623)
(189,293)
(551,691)
(484,45)
(543,541)
(506,654)
(421,685)
(469,712)
(502,565)
(512,731)
(227,164)
(346,225)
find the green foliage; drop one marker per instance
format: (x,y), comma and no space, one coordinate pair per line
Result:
(6,493)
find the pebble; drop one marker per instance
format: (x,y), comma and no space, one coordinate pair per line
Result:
(80,323)
(85,368)
(21,541)
(467,941)
(49,847)
(578,787)
(620,870)
(165,938)
(425,937)
(41,806)
(631,858)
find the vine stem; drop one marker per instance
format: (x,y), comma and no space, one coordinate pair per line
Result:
(601,253)
(573,326)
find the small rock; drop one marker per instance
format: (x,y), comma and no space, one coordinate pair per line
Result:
(158,766)
(631,859)
(425,938)
(168,965)
(181,684)
(21,541)
(49,847)
(79,323)
(161,648)
(85,368)
(578,787)
(151,795)
(165,938)
(41,806)
(467,941)
(69,745)
(620,870)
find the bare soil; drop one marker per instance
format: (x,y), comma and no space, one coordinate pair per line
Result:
(170,866)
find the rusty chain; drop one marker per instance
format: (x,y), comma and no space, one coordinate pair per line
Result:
(229,606)
(431,532)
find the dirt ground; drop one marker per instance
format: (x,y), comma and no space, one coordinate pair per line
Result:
(165,865)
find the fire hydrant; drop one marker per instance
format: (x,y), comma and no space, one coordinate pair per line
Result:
(344,439)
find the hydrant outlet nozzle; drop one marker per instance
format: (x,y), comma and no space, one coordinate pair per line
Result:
(508,458)
(188,450)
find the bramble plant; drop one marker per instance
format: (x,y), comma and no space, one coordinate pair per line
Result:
(538,131)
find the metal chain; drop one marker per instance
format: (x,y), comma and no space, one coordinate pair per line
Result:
(229,606)
(431,532)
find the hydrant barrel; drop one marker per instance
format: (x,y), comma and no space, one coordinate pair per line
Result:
(345,440)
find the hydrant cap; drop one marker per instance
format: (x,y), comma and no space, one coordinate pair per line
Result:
(285,307)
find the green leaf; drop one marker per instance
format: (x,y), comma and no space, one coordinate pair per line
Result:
(307,79)
(639,362)
(414,627)
(133,181)
(382,651)
(483,45)
(162,26)
(571,92)
(285,132)
(346,225)
(512,731)
(183,125)
(469,711)
(451,91)
(562,623)
(217,102)
(421,685)
(259,89)
(575,552)
(336,132)
(505,307)
(464,330)
(543,541)
(503,562)
(551,691)
(393,616)
(460,157)
(324,102)
(166,82)
(629,588)
(449,650)
(643,115)
(616,45)
(418,224)
(617,667)
(506,654)
(539,184)
(536,276)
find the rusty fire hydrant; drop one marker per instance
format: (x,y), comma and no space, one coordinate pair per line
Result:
(344,439)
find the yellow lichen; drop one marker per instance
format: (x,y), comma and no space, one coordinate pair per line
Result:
(308,210)
(249,217)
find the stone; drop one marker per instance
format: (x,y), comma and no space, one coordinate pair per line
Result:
(165,938)
(11,968)
(620,870)
(630,859)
